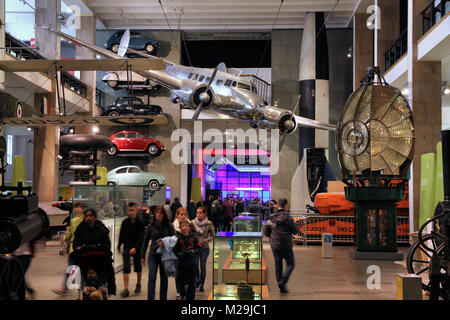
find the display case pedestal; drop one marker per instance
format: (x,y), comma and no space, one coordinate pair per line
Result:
(229,292)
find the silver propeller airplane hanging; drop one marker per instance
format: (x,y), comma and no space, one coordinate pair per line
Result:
(216,89)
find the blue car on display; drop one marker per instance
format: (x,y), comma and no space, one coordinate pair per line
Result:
(133,176)
(137,42)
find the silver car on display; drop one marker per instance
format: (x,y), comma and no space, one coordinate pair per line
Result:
(134,176)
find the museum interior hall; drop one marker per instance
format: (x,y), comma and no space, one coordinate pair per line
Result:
(224,150)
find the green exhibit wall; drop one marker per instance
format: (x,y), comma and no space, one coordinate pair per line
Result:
(18,172)
(439,187)
(196,189)
(427,185)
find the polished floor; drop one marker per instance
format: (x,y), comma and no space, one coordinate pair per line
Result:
(314,278)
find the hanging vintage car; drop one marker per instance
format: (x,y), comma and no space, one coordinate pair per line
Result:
(131,106)
(134,141)
(133,176)
(137,42)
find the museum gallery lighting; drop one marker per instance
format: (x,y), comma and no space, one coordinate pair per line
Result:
(95,129)
(349,53)
(446,88)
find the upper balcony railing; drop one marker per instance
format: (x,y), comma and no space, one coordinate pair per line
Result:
(433,13)
(398,49)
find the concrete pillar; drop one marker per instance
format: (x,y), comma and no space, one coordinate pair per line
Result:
(46,14)
(286,46)
(45,151)
(86,31)
(426,102)
(46,139)
(362,47)
(389,30)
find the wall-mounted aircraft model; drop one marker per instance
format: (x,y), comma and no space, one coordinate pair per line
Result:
(223,92)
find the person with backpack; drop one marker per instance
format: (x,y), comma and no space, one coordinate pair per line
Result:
(279,228)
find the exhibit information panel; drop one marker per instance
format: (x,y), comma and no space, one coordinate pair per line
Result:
(238,266)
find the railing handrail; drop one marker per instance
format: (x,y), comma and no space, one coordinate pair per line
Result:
(397,43)
(428,6)
(439,8)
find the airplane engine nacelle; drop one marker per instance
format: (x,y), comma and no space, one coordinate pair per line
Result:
(192,93)
(282,119)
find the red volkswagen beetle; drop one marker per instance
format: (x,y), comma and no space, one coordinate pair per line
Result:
(130,140)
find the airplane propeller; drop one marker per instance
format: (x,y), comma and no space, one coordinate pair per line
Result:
(289,124)
(124,43)
(204,97)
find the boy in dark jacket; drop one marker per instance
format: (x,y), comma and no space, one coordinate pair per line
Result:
(131,236)
(280,227)
(186,250)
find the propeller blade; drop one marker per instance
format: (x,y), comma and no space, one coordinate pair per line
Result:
(283,137)
(212,77)
(197,111)
(199,108)
(296,106)
(124,43)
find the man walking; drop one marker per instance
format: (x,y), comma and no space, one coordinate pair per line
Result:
(131,236)
(280,227)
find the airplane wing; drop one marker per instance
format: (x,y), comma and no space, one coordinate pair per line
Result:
(56,120)
(82,65)
(161,77)
(10,106)
(310,123)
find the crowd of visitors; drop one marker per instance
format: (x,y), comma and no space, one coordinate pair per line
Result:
(178,241)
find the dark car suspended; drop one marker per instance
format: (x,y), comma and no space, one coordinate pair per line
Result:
(131,106)
(137,42)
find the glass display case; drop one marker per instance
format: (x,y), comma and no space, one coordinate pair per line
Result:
(246,223)
(239,268)
(110,203)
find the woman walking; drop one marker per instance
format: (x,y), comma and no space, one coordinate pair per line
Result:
(158,228)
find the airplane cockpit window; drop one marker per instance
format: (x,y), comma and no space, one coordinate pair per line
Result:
(190,75)
(244,86)
(208,79)
(234,83)
(254,90)
(219,82)
(201,78)
(195,77)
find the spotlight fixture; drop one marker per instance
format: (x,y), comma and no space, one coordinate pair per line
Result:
(350,52)
(29,128)
(405,89)
(445,88)
(71,130)
(95,129)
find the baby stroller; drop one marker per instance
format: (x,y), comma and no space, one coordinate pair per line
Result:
(97,259)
